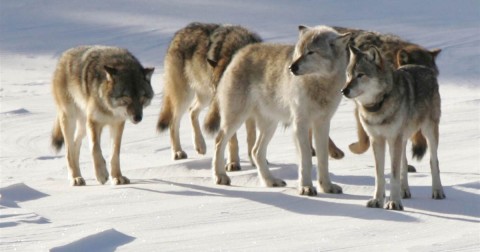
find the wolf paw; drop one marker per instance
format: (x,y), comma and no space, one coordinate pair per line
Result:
(77,181)
(438,194)
(122,180)
(222,179)
(375,203)
(179,155)
(275,183)
(358,148)
(336,153)
(201,147)
(233,166)
(394,205)
(411,169)
(102,176)
(307,190)
(331,188)
(406,194)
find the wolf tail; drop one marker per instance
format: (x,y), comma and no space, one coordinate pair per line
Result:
(212,119)
(166,115)
(57,136)
(419,145)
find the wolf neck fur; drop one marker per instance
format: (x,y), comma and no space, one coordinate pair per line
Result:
(381,111)
(378,105)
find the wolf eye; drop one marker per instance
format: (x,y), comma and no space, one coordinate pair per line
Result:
(123,101)
(360,75)
(310,52)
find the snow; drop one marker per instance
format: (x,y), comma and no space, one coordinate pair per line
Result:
(174,205)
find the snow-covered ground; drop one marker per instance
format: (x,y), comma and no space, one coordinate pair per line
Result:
(173,205)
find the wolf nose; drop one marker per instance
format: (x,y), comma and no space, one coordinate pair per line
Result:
(137,118)
(293,68)
(346,91)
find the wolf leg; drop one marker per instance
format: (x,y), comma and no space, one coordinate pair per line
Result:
(220,176)
(94,131)
(233,158)
(177,151)
(259,153)
(432,136)
(363,142)
(406,194)
(334,151)
(251,128)
(178,96)
(67,125)
(320,135)
(116,132)
(197,106)
(302,143)
(396,147)
(378,146)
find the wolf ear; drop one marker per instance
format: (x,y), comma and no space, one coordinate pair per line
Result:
(303,28)
(110,72)
(212,63)
(402,57)
(435,52)
(354,50)
(148,71)
(374,55)
(344,39)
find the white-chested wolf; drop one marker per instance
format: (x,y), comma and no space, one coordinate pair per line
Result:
(297,85)
(396,52)
(93,87)
(392,106)
(195,61)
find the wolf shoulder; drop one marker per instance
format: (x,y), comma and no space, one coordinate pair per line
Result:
(422,90)
(422,79)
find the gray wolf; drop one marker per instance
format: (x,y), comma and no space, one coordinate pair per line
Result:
(397,52)
(195,61)
(298,85)
(94,87)
(392,106)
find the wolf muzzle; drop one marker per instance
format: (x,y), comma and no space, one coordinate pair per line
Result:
(294,68)
(346,92)
(137,118)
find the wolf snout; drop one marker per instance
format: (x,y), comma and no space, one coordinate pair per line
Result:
(294,68)
(346,92)
(137,118)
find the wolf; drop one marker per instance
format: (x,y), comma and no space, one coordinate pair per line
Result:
(396,52)
(298,85)
(94,87)
(393,104)
(195,61)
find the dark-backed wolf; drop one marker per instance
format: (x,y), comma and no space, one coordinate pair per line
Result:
(298,85)
(93,87)
(195,61)
(397,52)
(392,106)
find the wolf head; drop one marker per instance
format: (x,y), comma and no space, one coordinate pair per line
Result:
(318,50)
(129,91)
(417,55)
(224,42)
(366,76)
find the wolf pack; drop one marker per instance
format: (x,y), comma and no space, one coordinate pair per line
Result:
(243,80)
